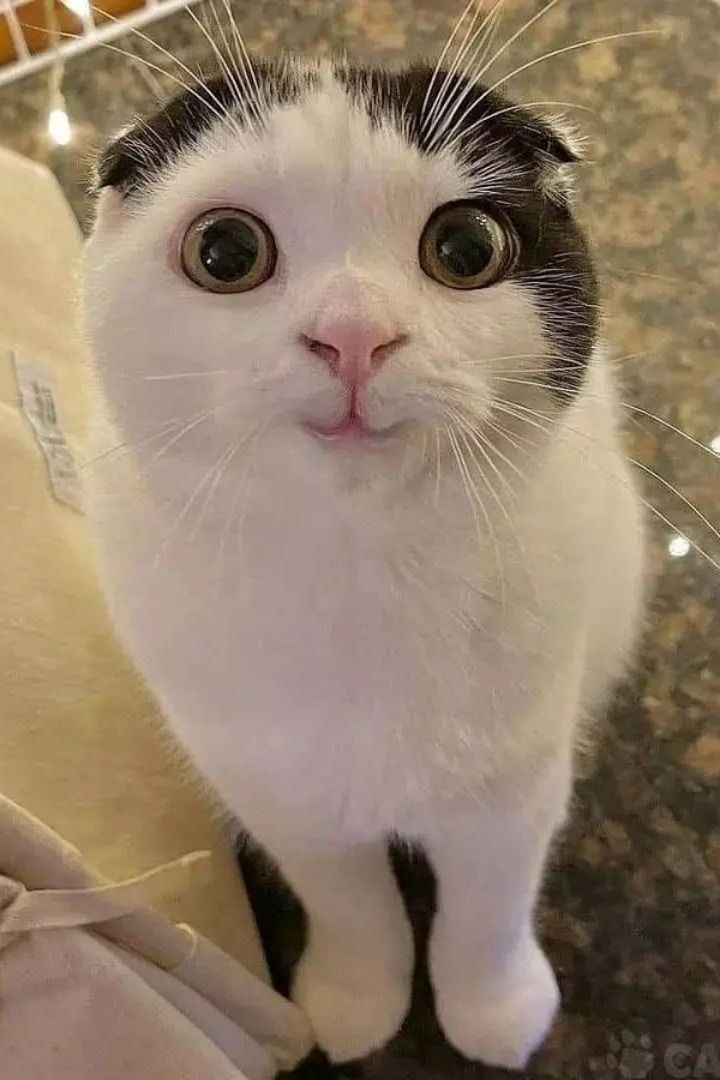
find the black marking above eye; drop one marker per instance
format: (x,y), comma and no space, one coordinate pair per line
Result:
(464,247)
(228,251)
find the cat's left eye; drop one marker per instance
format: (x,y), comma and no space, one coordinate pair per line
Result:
(228,251)
(465,247)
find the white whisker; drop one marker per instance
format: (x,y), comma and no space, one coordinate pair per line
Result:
(220,57)
(516,36)
(199,419)
(190,502)
(188,375)
(562,51)
(214,103)
(443,118)
(237,77)
(438,66)
(438,457)
(126,447)
(624,404)
(219,472)
(544,424)
(475,502)
(488,520)
(245,65)
(449,73)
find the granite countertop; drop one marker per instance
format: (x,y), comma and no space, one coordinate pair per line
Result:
(632,909)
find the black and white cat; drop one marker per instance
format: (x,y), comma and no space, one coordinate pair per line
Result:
(363,516)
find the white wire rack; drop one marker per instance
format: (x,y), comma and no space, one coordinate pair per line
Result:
(88,36)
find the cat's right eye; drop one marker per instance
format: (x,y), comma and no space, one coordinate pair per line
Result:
(228,251)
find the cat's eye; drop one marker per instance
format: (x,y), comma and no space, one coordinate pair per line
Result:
(464,247)
(228,251)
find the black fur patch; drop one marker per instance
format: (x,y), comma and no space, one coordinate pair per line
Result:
(401,98)
(143,152)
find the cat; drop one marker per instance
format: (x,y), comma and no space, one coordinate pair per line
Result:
(361,506)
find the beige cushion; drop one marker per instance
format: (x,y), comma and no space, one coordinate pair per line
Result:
(81,744)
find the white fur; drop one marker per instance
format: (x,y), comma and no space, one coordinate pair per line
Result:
(332,631)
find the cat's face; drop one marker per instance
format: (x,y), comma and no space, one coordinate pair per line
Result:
(341,266)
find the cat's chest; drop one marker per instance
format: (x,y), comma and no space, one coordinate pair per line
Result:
(315,613)
(319,659)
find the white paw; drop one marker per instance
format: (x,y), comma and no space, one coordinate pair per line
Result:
(352,1011)
(499,1019)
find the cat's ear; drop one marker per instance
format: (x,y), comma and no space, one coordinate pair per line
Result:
(122,161)
(142,151)
(553,138)
(558,146)
(567,145)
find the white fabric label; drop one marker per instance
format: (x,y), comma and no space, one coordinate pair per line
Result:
(37,401)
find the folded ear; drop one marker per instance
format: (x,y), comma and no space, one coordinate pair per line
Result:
(563,143)
(119,163)
(557,146)
(144,149)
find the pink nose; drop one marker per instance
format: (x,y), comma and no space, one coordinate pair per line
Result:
(353,347)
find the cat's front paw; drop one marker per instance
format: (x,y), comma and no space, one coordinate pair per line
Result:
(502,1019)
(352,1011)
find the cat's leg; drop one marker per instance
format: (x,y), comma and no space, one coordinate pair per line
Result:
(495,992)
(354,978)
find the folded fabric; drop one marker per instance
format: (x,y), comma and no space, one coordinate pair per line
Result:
(95,985)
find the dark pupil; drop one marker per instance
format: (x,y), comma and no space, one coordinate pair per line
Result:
(464,246)
(229,249)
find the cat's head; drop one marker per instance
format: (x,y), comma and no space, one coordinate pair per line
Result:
(339,261)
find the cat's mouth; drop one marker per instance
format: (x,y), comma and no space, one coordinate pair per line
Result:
(351,426)
(354,426)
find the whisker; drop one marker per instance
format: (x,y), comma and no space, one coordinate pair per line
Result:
(445,85)
(436,499)
(651,277)
(219,111)
(188,375)
(219,472)
(438,66)
(472,434)
(488,519)
(562,51)
(206,414)
(237,78)
(475,502)
(624,404)
(683,498)
(223,64)
(623,483)
(133,57)
(245,65)
(126,447)
(452,103)
(242,504)
(194,496)
(503,457)
(516,36)
(517,441)
(240,490)
(535,419)
(526,561)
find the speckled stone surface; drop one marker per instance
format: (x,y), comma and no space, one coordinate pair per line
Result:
(631,913)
